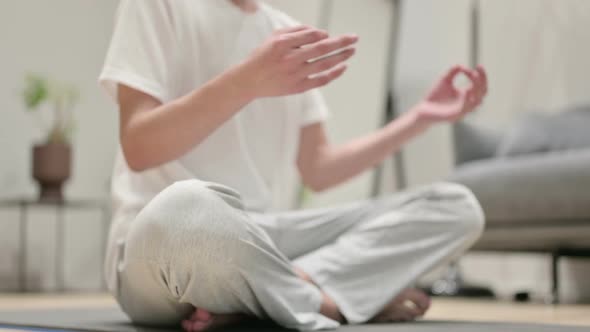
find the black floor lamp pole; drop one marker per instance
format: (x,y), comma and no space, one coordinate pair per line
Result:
(390,105)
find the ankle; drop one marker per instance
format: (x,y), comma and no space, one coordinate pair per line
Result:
(331,310)
(329,307)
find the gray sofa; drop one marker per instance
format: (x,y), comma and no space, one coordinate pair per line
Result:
(533,182)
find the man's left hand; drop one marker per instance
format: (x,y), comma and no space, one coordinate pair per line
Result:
(447,103)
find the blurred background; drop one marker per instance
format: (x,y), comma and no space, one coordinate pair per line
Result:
(536,51)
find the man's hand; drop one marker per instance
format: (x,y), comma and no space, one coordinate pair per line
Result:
(295,60)
(447,103)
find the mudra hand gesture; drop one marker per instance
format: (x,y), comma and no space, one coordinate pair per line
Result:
(448,103)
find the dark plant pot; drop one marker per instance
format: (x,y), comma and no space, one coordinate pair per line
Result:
(52,164)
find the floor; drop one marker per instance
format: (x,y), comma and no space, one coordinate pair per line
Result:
(442,309)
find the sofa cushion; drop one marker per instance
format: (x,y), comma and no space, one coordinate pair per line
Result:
(537,188)
(475,142)
(540,132)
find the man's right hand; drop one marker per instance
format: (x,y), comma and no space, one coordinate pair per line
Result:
(295,60)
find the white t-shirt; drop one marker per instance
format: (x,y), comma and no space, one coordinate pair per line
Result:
(169,48)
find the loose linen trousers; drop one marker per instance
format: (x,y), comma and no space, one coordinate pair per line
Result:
(194,245)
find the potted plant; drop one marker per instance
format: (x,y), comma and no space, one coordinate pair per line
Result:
(52,158)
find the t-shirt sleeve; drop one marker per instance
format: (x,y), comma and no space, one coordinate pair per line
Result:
(315,108)
(143,49)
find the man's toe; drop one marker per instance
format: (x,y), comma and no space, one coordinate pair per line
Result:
(202,315)
(419,298)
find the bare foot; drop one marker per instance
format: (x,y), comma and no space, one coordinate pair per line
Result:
(202,320)
(407,306)
(328,307)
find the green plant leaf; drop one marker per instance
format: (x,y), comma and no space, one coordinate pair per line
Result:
(36,91)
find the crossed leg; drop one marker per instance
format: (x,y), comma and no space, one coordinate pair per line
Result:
(449,211)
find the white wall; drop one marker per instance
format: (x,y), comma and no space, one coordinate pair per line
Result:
(67,40)
(537,53)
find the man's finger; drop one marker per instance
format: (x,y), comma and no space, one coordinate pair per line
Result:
(478,85)
(473,100)
(304,37)
(323,78)
(454,71)
(328,62)
(292,29)
(472,76)
(484,76)
(325,47)
(469,101)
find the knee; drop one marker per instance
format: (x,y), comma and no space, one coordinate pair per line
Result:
(197,193)
(209,208)
(467,212)
(191,199)
(186,214)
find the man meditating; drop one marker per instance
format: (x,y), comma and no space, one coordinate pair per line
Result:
(218,106)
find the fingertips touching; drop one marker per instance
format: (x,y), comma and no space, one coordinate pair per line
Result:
(454,71)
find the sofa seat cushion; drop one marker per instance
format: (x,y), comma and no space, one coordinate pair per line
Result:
(542,188)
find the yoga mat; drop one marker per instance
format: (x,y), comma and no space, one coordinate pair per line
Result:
(27,329)
(113,320)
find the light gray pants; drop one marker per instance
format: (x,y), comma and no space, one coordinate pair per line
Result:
(194,245)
